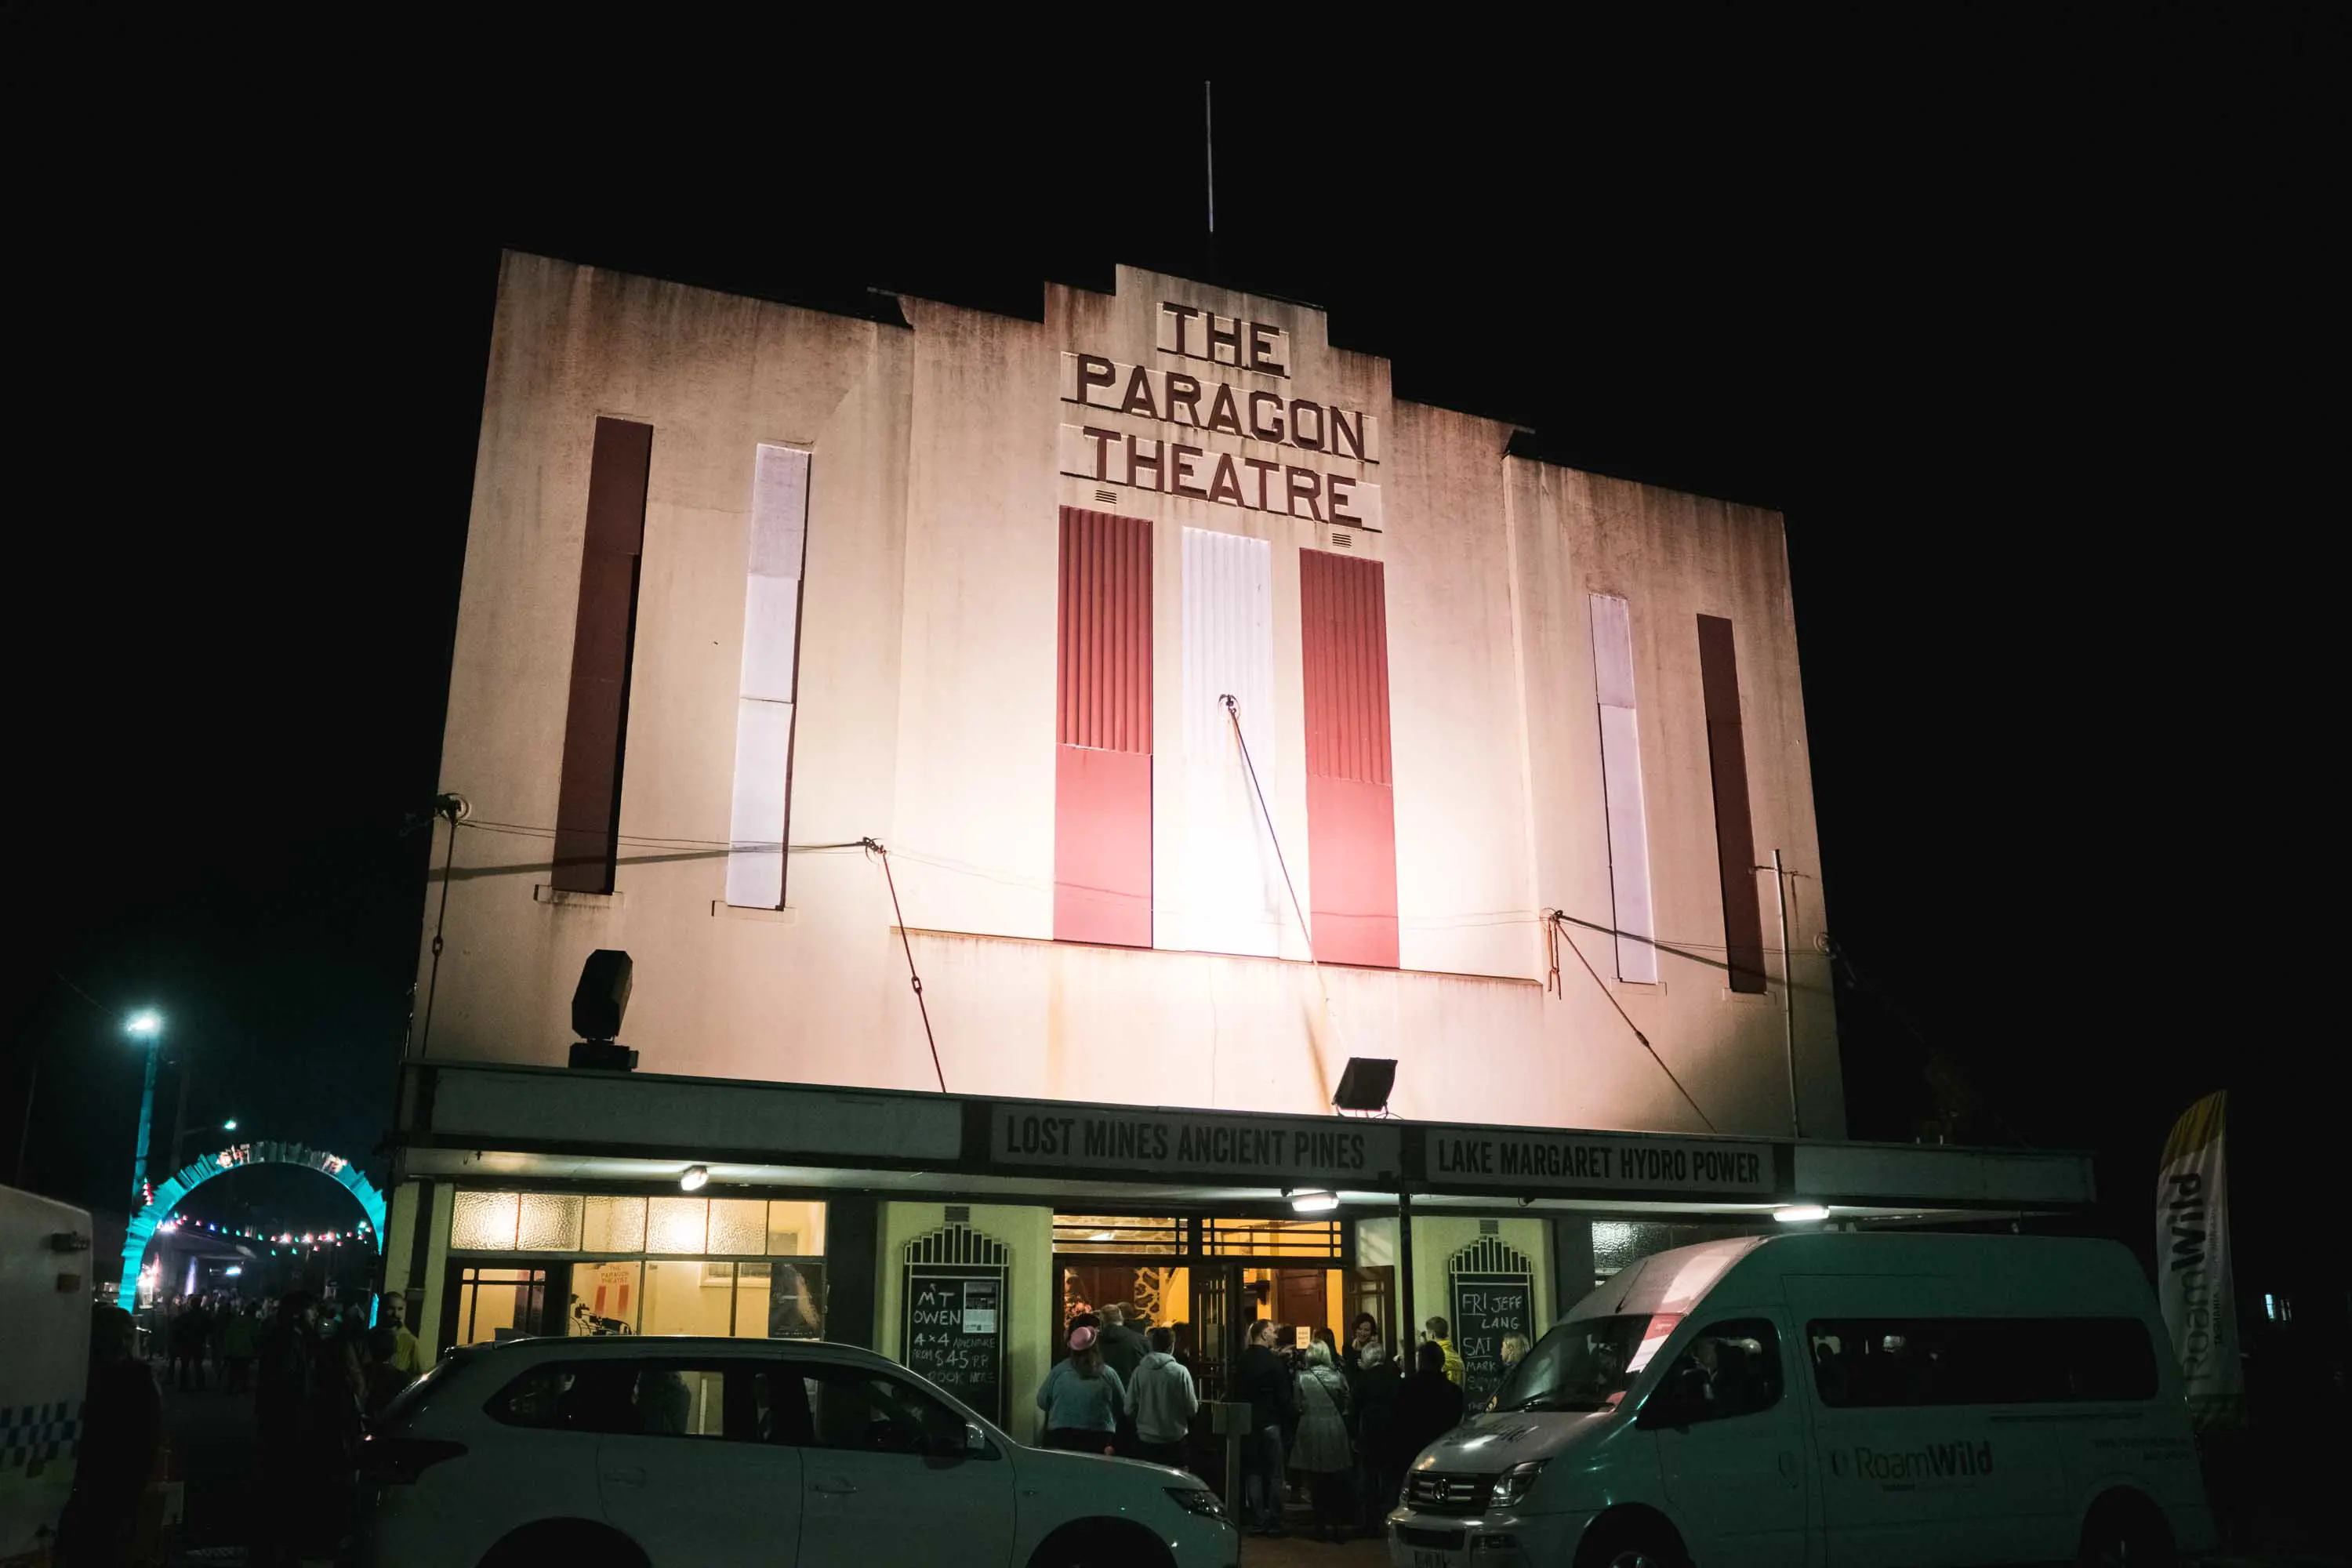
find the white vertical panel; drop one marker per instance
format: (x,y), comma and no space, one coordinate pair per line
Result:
(1232,882)
(764,710)
(1620,781)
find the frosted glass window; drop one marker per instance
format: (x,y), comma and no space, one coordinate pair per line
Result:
(1621,787)
(738,1224)
(614,1225)
(549,1223)
(677,1224)
(763,708)
(796,1230)
(484,1222)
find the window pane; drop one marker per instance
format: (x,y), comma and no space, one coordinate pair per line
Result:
(614,1225)
(689,1298)
(678,1402)
(1879,1362)
(796,1230)
(605,1297)
(549,1223)
(484,1222)
(752,1284)
(796,1300)
(677,1224)
(1732,1368)
(875,1414)
(738,1224)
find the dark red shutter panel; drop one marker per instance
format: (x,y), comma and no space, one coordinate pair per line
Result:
(588,806)
(1102,769)
(1735,832)
(1350,795)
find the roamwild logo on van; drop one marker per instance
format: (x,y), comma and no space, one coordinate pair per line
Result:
(1934,1462)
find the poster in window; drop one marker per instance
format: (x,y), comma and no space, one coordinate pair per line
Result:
(795,1301)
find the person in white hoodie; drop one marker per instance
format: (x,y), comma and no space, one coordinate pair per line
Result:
(1161,1400)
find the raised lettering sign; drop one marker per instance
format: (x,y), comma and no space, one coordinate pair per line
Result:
(1599,1162)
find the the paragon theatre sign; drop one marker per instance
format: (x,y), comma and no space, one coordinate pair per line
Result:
(1257,443)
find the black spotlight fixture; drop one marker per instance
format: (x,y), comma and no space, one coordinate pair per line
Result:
(1366,1084)
(598,1004)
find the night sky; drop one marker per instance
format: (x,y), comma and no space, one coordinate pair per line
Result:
(2027,332)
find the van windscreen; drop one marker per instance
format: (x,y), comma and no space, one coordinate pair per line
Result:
(1580,1365)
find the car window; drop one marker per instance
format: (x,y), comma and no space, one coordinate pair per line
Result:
(1731,1368)
(631,1398)
(868,1411)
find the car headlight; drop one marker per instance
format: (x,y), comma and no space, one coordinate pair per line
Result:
(1512,1487)
(1198,1499)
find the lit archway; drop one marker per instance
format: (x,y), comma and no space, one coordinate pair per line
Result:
(188,1178)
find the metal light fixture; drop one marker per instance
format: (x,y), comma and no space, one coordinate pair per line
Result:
(1365,1084)
(694,1178)
(1313,1200)
(1801,1214)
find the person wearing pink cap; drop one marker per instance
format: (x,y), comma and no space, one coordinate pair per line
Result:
(1082,1399)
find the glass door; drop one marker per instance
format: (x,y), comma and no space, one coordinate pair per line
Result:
(496,1299)
(1215,1287)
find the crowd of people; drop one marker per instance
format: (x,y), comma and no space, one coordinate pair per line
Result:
(1333,1425)
(317,1375)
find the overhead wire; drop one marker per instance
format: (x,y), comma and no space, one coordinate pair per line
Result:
(1556,925)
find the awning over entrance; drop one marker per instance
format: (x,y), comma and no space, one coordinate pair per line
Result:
(557,1125)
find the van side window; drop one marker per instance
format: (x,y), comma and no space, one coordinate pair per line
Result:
(1732,1368)
(1873,1362)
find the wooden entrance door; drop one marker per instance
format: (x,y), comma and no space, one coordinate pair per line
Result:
(1301,1299)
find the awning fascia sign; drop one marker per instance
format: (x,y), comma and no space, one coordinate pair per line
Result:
(1528,1160)
(557,1111)
(1116,1144)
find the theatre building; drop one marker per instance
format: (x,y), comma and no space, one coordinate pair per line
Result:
(1193,718)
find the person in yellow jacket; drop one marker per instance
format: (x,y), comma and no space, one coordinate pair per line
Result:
(1440,1333)
(407,1357)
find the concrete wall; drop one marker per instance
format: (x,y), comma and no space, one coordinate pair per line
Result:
(925,721)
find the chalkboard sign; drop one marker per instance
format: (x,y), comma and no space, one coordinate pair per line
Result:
(954,1331)
(1486,1307)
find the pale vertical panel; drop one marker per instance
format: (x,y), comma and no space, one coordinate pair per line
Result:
(764,712)
(763,760)
(1233,899)
(1621,783)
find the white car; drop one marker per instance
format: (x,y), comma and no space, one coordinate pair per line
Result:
(706,1453)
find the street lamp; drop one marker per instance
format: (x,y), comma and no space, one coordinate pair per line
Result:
(146,1024)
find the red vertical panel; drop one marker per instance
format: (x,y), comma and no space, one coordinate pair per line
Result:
(1735,833)
(1350,794)
(1102,773)
(588,803)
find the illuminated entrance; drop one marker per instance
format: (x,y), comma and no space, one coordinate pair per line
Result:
(1208,1276)
(188,1178)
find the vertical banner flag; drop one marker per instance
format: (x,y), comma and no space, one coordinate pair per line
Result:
(2192,1267)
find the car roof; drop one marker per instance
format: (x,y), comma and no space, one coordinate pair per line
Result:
(595,1346)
